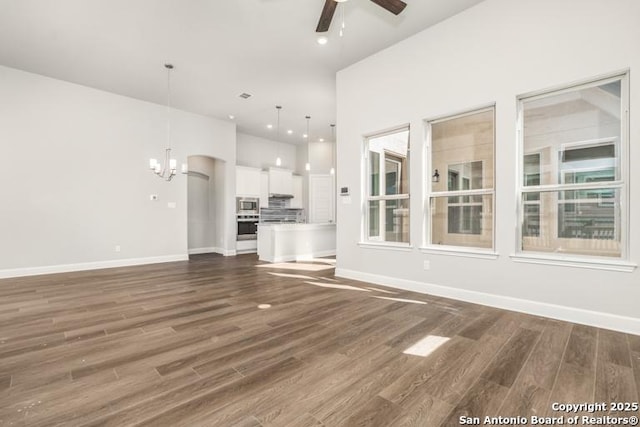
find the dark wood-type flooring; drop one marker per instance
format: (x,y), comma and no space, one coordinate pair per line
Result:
(184,344)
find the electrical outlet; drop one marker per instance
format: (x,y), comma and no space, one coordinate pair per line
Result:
(117,248)
(427,264)
(153,197)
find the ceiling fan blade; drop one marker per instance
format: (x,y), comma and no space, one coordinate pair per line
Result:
(393,6)
(327,15)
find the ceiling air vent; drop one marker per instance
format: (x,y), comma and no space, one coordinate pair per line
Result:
(245,95)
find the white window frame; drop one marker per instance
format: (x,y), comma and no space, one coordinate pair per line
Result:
(365,239)
(621,184)
(464,251)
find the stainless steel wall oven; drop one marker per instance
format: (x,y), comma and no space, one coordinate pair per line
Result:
(247,227)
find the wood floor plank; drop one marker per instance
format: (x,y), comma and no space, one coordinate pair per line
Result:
(484,398)
(574,384)
(5,382)
(530,393)
(478,327)
(377,412)
(506,366)
(581,349)
(428,411)
(198,408)
(184,344)
(615,383)
(542,367)
(613,348)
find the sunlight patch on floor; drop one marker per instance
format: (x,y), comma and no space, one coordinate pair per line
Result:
(413,301)
(293,276)
(336,286)
(297,266)
(380,290)
(426,345)
(331,261)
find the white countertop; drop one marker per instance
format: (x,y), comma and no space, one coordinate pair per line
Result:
(295,226)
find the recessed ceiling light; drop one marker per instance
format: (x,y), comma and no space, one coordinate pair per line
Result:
(305,135)
(321,139)
(289,131)
(269,126)
(245,95)
(231,116)
(322,40)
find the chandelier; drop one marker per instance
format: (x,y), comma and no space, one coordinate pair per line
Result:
(167,170)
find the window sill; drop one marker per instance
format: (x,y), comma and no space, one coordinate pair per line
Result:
(596,264)
(386,246)
(456,251)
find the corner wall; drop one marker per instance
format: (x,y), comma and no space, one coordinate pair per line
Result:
(490,53)
(77,182)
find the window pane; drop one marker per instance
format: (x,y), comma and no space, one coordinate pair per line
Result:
(389,152)
(467,221)
(573,132)
(374,219)
(582,222)
(388,174)
(531,215)
(532,169)
(463,147)
(392,181)
(397,220)
(374,173)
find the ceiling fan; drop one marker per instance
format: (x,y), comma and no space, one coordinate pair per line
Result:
(393,6)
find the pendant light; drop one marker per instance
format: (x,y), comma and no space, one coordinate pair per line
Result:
(278,159)
(307,166)
(167,170)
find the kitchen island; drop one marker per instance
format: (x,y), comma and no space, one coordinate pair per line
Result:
(292,242)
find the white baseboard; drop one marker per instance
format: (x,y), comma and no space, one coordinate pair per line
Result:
(212,250)
(209,250)
(66,268)
(570,314)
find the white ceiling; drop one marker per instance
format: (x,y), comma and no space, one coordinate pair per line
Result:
(220,48)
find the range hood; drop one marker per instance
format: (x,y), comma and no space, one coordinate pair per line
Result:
(281,196)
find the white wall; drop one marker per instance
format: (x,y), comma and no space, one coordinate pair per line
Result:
(490,53)
(321,157)
(261,153)
(76,179)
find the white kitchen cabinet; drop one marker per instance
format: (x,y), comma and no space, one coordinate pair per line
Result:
(280,181)
(247,181)
(296,202)
(264,189)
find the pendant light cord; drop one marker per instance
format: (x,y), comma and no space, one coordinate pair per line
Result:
(169,67)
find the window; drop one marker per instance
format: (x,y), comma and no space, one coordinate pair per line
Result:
(572,176)
(461,206)
(387,201)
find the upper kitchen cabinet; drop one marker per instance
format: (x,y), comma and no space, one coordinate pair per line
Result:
(247,181)
(280,181)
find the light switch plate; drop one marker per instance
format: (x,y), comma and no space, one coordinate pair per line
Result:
(171,205)
(427,264)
